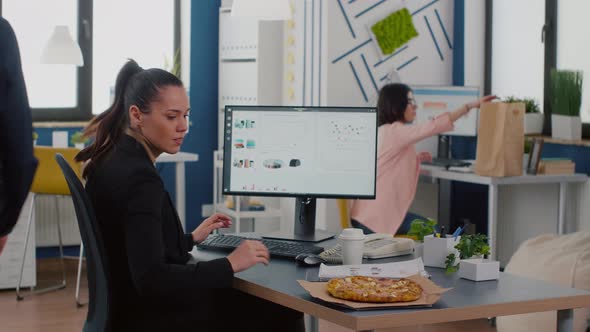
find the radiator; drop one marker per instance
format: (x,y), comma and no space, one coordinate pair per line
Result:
(46,221)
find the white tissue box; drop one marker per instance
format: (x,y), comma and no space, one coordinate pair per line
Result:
(478,269)
(436,250)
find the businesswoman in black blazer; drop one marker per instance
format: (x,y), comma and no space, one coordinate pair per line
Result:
(147,251)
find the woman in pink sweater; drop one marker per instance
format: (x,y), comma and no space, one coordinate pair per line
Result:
(397,161)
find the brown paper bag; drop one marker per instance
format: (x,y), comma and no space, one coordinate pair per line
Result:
(500,139)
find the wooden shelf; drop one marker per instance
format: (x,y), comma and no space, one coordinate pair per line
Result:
(548,139)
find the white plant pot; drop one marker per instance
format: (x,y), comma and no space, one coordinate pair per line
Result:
(566,127)
(533,123)
(79,146)
(418,249)
(34,142)
(437,249)
(478,269)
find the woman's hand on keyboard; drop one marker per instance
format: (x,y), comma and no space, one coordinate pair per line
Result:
(248,254)
(210,224)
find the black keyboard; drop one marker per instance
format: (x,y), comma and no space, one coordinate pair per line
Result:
(276,248)
(444,162)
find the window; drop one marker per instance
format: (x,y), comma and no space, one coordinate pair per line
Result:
(108,31)
(524,24)
(573,46)
(121,32)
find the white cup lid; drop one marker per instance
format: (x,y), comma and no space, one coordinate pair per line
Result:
(352,234)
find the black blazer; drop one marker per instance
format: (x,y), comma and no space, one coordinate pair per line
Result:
(147,251)
(17,163)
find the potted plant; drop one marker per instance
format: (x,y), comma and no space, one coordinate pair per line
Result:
(472,265)
(418,230)
(35,137)
(566,99)
(533,118)
(79,140)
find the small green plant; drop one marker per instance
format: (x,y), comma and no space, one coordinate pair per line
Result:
(35,136)
(530,104)
(566,92)
(78,137)
(469,246)
(420,228)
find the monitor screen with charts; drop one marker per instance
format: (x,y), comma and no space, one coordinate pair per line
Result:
(301,152)
(435,100)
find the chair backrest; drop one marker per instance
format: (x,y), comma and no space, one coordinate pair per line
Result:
(47,179)
(99,305)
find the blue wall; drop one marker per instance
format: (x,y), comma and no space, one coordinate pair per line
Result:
(202,137)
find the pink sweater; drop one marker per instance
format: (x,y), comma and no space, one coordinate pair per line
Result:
(397,173)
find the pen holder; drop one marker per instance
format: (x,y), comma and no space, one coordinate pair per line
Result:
(436,250)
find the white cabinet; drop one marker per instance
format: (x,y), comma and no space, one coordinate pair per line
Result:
(237,214)
(250,63)
(10,259)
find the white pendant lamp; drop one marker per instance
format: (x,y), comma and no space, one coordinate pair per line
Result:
(268,10)
(62,49)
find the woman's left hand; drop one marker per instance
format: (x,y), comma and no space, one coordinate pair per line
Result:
(477,104)
(210,224)
(425,157)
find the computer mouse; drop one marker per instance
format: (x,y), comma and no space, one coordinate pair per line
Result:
(309,260)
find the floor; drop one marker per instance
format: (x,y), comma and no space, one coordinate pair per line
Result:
(57,311)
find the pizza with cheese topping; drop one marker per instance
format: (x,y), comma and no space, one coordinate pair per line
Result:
(374,290)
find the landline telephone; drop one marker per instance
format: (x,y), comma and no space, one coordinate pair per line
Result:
(377,245)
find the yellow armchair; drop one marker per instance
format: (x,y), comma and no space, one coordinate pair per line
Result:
(48,180)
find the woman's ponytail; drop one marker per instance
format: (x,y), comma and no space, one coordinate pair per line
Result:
(107,128)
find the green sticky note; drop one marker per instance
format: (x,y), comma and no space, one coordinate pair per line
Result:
(394,31)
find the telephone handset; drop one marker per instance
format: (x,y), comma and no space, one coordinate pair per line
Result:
(377,245)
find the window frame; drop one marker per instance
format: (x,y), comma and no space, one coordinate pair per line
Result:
(549,35)
(83,110)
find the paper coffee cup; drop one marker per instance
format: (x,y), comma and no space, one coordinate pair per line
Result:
(352,240)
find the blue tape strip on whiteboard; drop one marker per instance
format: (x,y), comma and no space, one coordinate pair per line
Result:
(391,56)
(369,9)
(312,48)
(459,41)
(320,64)
(370,74)
(451,92)
(443,28)
(424,7)
(346,18)
(304,51)
(407,63)
(383,78)
(358,81)
(352,50)
(434,38)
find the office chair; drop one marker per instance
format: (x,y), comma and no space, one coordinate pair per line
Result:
(47,182)
(99,291)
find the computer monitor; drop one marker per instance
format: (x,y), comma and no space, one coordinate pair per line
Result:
(301,152)
(433,100)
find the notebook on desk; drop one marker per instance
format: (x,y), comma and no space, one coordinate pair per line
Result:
(447,163)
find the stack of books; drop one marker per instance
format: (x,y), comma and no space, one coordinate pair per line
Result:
(556,166)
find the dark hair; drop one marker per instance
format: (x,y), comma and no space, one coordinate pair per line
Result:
(392,103)
(134,86)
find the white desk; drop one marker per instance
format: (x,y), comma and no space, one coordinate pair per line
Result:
(179,158)
(493,182)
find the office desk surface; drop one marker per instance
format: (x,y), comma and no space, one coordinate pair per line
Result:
(509,295)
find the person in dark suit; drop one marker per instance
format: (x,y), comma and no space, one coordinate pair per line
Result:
(147,251)
(17,163)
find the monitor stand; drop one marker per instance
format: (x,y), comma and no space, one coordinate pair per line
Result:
(304,230)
